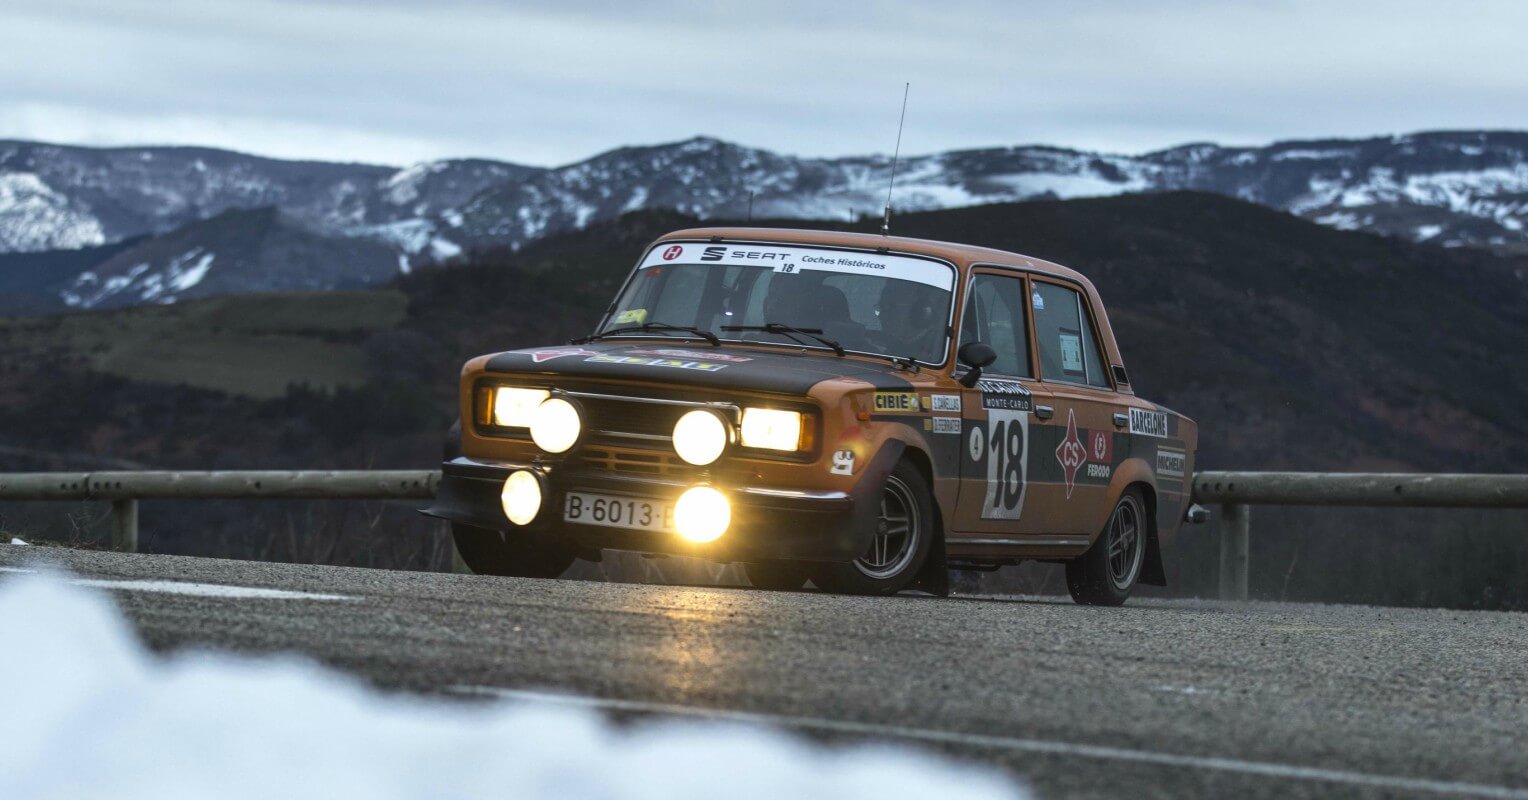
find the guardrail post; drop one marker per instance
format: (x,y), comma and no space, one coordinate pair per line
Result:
(1235,527)
(124,525)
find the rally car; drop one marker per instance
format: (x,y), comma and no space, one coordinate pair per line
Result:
(863,412)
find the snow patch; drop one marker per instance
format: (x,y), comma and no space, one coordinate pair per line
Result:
(209,725)
(1425,232)
(35,217)
(15,540)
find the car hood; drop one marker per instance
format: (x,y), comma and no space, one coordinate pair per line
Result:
(699,365)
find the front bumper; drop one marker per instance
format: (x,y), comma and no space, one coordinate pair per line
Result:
(767,523)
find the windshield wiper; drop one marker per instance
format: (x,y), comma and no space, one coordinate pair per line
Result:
(786,330)
(650,327)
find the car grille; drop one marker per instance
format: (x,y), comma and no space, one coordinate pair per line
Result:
(630,424)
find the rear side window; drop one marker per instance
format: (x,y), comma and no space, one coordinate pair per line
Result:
(995,315)
(1064,333)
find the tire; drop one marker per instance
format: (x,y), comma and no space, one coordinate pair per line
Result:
(1105,575)
(777,576)
(488,552)
(894,559)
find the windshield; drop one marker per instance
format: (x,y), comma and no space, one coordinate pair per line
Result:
(867,302)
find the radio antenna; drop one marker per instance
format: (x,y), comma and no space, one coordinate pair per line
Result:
(750,205)
(886,220)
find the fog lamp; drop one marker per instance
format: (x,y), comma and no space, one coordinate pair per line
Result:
(556,425)
(702,514)
(700,437)
(521,497)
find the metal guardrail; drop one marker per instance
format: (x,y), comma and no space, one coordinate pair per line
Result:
(1234,492)
(125,489)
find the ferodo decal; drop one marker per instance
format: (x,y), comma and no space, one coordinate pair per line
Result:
(549,353)
(703,366)
(944,402)
(947,425)
(1146,422)
(1004,451)
(1171,462)
(1001,394)
(843,462)
(897,403)
(690,354)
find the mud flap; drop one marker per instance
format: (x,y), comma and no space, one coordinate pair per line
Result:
(1152,571)
(934,578)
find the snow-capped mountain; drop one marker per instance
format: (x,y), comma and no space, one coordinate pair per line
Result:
(1468,188)
(1464,188)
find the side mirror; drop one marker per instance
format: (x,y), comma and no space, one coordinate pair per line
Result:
(975,355)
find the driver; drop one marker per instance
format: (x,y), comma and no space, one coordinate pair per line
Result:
(912,319)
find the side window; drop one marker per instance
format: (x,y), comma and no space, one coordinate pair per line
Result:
(1064,333)
(995,314)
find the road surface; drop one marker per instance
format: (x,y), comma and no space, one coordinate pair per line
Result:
(1157,699)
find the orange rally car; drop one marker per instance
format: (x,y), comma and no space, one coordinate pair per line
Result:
(865,412)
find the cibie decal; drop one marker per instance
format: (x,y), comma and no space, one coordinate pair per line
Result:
(896,403)
(673,253)
(944,402)
(1171,462)
(549,353)
(1071,453)
(675,363)
(947,425)
(695,354)
(1146,422)
(843,462)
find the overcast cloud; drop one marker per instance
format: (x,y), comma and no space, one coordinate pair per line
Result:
(549,82)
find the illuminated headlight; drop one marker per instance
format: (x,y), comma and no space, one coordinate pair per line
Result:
(513,408)
(771,429)
(700,437)
(702,514)
(556,425)
(521,497)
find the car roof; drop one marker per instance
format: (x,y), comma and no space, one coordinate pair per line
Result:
(963,255)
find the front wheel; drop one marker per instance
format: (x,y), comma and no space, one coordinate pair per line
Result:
(899,542)
(1105,574)
(488,552)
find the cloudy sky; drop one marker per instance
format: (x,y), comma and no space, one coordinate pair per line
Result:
(550,82)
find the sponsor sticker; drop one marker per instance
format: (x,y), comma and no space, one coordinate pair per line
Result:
(944,402)
(549,353)
(1146,422)
(1004,452)
(1005,395)
(636,315)
(1071,453)
(793,259)
(674,363)
(1037,301)
(1171,462)
(947,425)
(1100,447)
(843,462)
(691,354)
(897,403)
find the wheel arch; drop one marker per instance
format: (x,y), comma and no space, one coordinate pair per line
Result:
(1153,573)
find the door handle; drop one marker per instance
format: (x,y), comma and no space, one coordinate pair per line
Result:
(1044,412)
(1120,420)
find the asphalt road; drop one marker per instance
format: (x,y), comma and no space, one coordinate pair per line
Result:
(1166,699)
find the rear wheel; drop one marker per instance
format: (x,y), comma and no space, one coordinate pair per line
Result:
(1105,574)
(899,543)
(780,576)
(517,555)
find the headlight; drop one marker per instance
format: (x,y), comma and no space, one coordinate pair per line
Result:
(521,497)
(700,437)
(772,429)
(513,408)
(556,425)
(702,514)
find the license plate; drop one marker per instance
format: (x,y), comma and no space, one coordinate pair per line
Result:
(614,511)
